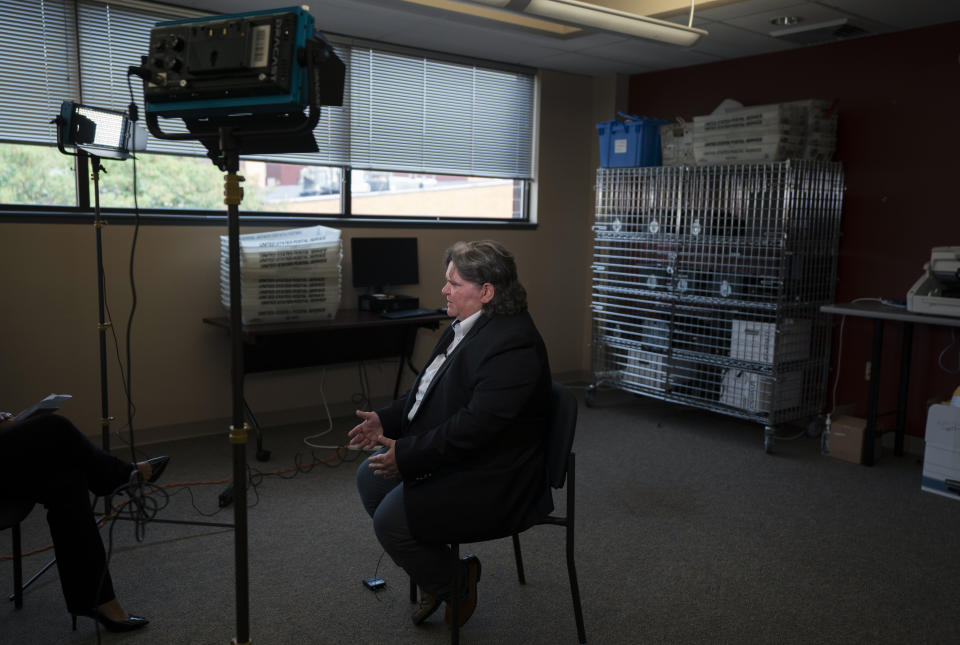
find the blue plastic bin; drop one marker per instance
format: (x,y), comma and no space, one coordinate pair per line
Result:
(626,144)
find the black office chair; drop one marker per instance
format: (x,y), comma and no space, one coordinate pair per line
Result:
(560,464)
(12,512)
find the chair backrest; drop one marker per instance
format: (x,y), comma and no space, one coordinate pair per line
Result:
(13,511)
(563,425)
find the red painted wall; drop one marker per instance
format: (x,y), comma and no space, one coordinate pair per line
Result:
(899,141)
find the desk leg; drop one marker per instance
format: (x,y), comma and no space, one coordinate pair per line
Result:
(873,397)
(906,349)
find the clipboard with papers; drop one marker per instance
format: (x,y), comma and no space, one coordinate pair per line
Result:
(46,405)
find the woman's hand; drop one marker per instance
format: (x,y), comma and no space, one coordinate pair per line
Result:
(368,433)
(385,463)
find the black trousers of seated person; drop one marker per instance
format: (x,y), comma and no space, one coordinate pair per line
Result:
(47,460)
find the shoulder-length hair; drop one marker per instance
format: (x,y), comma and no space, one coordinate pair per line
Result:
(488,261)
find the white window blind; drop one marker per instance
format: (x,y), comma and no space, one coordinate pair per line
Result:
(39,63)
(401,112)
(113,37)
(421,115)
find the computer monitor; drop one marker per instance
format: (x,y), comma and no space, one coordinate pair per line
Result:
(380,263)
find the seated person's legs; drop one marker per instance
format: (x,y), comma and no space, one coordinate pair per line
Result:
(63,448)
(81,559)
(46,459)
(372,488)
(430,565)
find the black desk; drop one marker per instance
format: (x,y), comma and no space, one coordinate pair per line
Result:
(351,336)
(880,313)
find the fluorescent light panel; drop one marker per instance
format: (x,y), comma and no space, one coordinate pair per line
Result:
(520,20)
(594,16)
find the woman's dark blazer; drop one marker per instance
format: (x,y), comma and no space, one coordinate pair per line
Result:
(473,460)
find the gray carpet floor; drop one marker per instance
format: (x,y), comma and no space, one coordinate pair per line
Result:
(687,532)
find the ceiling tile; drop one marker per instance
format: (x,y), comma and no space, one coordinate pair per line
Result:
(739,9)
(808,12)
(735,29)
(579,63)
(729,41)
(649,54)
(900,14)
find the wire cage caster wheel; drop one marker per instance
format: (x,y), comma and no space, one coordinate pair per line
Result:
(769,439)
(590,396)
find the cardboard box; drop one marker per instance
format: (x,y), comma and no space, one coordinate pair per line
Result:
(845,440)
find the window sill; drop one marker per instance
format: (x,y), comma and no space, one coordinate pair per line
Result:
(67,215)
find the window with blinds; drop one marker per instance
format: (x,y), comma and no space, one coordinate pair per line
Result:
(415,137)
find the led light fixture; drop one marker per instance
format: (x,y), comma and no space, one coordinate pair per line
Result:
(108,134)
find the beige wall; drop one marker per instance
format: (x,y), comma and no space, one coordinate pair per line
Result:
(181,366)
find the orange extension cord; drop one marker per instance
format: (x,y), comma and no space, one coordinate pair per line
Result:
(279,471)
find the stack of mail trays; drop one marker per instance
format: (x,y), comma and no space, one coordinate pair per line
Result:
(286,276)
(755,134)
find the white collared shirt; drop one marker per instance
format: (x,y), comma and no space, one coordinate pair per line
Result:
(460,329)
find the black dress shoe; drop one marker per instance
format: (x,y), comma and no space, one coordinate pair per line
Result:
(131,623)
(467,598)
(428,604)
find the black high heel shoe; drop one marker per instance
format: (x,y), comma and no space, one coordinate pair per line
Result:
(131,623)
(157,466)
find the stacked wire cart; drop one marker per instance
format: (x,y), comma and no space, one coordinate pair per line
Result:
(708,281)
(286,276)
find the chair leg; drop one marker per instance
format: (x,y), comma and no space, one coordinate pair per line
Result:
(575,589)
(571,566)
(19,586)
(17,568)
(454,602)
(518,556)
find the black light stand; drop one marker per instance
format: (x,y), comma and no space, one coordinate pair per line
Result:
(232,196)
(225,140)
(102,324)
(83,161)
(212,100)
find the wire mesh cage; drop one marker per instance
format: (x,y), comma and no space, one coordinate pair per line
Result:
(707,285)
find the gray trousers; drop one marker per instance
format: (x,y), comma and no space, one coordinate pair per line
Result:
(430,565)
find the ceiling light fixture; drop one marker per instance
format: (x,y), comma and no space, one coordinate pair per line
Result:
(786,21)
(582,14)
(517,19)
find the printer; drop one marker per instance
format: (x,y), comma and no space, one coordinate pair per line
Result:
(937,292)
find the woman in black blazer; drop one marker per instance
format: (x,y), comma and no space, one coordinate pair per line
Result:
(464,450)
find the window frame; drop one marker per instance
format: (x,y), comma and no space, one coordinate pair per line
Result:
(83,210)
